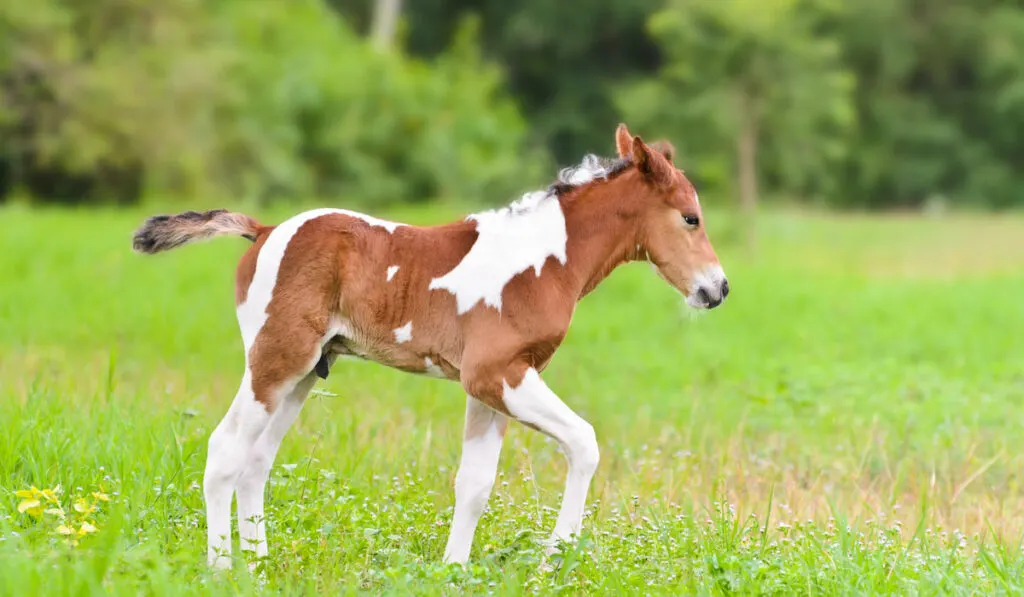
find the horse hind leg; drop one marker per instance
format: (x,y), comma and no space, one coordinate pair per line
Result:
(278,371)
(228,449)
(481,449)
(251,486)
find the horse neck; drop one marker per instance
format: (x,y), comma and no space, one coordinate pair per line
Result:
(601,234)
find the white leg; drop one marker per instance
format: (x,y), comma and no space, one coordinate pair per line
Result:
(534,403)
(252,482)
(481,447)
(228,450)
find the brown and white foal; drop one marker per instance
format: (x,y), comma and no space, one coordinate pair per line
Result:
(485,302)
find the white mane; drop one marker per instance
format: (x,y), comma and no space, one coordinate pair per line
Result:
(591,168)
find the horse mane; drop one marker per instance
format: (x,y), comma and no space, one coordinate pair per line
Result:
(591,168)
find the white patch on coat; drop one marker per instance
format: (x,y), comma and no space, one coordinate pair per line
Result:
(433,370)
(511,240)
(252,314)
(514,239)
(392,271)
(696,199)
(404,333)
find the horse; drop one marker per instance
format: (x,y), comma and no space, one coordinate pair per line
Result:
(484,301)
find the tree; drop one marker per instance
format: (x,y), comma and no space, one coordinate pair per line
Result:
(385,19)
(744,76)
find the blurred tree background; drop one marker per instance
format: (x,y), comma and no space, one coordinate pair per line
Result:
(846,103)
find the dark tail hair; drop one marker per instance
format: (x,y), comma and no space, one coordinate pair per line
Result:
(162,233)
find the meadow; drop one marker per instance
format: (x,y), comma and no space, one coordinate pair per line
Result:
(848,422)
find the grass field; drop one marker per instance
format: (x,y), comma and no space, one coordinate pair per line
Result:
(849,422)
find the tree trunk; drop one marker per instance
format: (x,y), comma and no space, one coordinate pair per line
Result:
(385,18)
(746,163)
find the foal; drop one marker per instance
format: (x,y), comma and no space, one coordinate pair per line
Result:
(485,302)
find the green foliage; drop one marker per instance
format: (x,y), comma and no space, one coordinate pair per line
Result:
(254,99)
(865,103)
(345,120)
(744,67)
(938,97)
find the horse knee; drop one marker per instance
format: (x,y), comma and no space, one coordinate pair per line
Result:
(473,488)
(583,451)
(217,478)
(225,460)
(256,470)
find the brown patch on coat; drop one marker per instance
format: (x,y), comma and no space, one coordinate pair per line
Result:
(290,342)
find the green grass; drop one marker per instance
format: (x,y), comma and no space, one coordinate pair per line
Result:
(849,422)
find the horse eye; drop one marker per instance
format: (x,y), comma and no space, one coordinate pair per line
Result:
(691,220)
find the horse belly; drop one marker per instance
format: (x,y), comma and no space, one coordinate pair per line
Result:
(400,352)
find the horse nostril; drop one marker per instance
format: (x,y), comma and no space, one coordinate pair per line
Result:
(703,296)
(725,288)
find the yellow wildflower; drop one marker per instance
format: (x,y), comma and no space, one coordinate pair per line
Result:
(87,527)
(32,506)
(83,507)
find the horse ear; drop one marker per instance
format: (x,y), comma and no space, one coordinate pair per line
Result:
(623,141)
(665,148)
(652,164)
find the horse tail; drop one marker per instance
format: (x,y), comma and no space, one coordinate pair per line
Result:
(162,233)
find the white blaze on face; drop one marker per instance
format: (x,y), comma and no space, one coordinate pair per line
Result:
(392,271)
(711,278)
(404,333)
(511,241)
(252,314)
